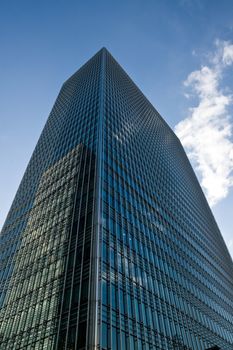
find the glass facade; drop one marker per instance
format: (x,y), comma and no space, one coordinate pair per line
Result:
(110,242)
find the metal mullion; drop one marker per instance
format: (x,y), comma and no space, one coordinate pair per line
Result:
(123,277)
(99,207)
(132,287)
(145,239)
(150,269)
(84,239)
(75,256)
(108,276)
(127,288)
(79,156)
(116,274)
(93,331)
(142,325)
(74,261)
(137,265)
(90,268)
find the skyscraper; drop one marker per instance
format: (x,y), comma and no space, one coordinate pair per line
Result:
(110,242)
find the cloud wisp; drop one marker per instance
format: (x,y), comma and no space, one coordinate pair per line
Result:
(206,133)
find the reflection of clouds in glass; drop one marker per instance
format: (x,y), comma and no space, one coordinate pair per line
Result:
(126,131)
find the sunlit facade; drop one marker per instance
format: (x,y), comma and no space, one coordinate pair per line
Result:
(110,242)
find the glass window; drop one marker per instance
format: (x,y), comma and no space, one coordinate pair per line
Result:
(104,335)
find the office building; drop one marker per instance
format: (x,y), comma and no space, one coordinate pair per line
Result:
(110,242)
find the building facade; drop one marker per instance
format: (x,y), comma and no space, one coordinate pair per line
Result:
(110,242)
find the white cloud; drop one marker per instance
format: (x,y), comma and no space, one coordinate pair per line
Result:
(227,54)
(206,133)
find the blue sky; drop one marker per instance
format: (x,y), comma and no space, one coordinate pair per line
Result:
(179,53)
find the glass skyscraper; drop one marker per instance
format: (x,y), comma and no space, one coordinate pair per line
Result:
(110,242)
